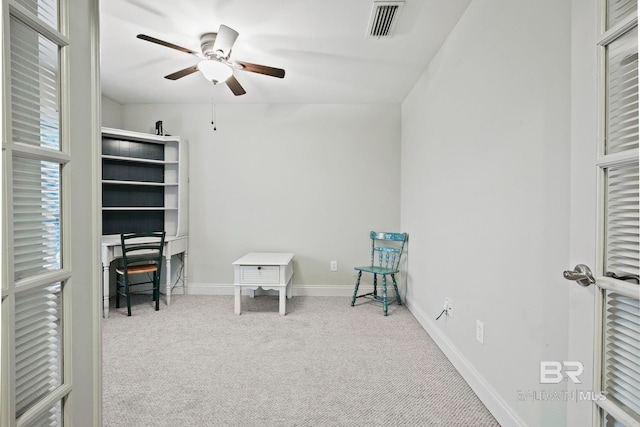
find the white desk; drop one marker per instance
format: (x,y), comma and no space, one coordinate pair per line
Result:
(266,270)
(112,250)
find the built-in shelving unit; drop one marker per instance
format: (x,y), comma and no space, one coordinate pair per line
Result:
(144,183)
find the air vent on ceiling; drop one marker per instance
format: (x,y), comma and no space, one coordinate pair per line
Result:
(384,17)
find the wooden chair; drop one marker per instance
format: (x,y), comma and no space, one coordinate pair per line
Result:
(141,254)
(386,251)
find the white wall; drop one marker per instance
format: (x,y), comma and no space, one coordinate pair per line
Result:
(111,112)
(308,179)
(485,199)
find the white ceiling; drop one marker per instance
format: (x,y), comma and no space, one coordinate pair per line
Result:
(321,44)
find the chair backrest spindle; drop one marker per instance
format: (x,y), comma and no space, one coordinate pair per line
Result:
(388,247)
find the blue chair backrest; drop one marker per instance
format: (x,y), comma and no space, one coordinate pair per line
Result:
(386,249)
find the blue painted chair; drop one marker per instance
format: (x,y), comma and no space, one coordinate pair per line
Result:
(386,251)
(141,254)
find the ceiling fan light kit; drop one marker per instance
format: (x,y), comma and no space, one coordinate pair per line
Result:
(215,71)
(215,64)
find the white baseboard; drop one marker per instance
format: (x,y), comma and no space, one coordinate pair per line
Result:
(298,290)
(209,289)
(176,290)
(500,410)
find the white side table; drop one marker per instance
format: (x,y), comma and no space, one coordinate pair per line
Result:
(266,270)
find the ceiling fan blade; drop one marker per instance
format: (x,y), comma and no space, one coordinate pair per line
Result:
(224,40)
(260,69)
(170,45)
(180,74)
(235,86)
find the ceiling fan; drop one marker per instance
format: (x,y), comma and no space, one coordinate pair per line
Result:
(215,63)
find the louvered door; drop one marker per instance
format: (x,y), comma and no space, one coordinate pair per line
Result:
(618,296)
(36,325)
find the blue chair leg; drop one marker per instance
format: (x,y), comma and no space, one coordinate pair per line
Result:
(375,285)
(384,293)
(395,288)
(355,291)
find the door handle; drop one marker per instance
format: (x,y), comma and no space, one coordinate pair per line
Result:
(581,274)
(626,277)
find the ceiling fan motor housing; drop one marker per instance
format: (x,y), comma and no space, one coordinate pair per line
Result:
(206,43)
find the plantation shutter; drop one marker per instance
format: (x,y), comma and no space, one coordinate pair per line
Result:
(36,217)
(617,10)
(620,197)
(34,88)
(622,84)
(622,226)
(622,351)
(45,10)
(38,343)
(621,312)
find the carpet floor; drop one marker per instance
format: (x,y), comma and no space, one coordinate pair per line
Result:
(196,363)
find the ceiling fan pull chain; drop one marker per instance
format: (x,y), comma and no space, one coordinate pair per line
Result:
(213,113)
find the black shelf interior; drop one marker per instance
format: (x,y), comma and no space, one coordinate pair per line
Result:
(131,195)
(141,150)
(129,171)
(141,196)
(116,222)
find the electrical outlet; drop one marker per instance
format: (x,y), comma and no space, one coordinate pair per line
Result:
(448,305)
(480,331)
(334,265)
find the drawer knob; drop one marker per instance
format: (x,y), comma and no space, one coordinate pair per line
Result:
(259,268)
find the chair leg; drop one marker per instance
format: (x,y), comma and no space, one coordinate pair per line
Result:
(375,285)
(117,294)
(156,290)
(355,291)
(128,294)
(384,293)
(395,288)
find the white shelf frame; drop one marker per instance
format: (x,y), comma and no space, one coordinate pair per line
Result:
(175,191)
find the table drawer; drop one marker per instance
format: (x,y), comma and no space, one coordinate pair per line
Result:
(254,274)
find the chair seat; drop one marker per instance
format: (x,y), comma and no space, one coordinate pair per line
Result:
(136,269)
(376,270)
